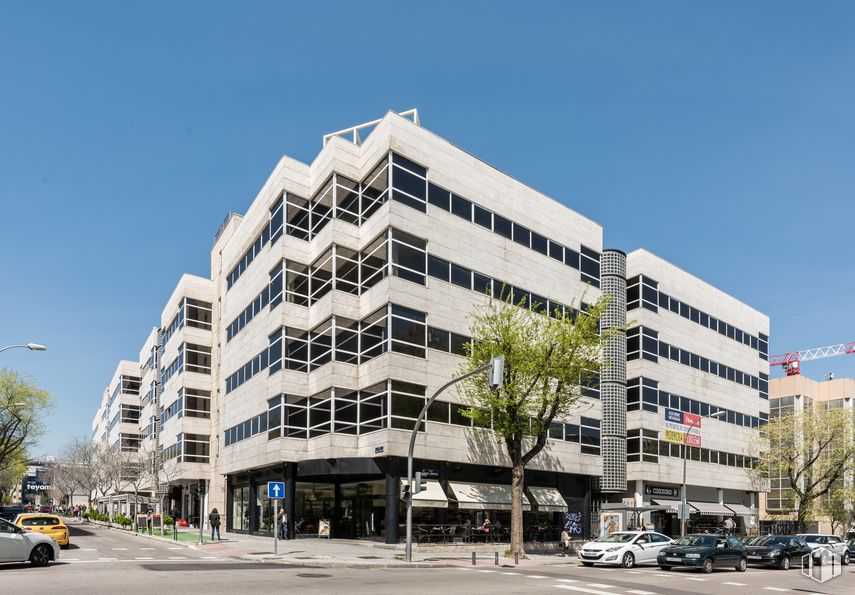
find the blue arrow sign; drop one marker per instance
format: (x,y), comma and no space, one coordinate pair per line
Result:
(275,489)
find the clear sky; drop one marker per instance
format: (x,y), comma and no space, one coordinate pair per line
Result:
(719,135)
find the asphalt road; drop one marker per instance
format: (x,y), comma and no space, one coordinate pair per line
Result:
(103,561)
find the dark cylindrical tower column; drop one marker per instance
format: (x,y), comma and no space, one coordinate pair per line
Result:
(613,374)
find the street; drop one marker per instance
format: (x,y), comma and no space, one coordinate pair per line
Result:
(108,561)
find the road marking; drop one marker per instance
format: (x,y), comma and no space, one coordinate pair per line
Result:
(734,584)
(108,559)
(148,548)
(143,558)
(566,580)
(601,586)
(535,576)
(688,578)
(584,590)
(662,574)
(639,592)
(776,589)
(177,557)
(210,558)
(462,568)
(486,571)
(175,548)
(70,559)
(88,549)
(119,549)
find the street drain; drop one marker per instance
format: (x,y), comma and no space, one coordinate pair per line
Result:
(314,575)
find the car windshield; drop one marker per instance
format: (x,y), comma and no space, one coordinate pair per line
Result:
(617,538)
(697,540)
(767,540)
(814,538)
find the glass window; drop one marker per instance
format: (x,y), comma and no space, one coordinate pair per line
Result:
(483,217)
(461,207)
(539,243)
(439,197)
(522,235)
(461,276)
(439,268)
(502,226)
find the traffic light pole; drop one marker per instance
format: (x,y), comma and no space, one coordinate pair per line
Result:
(415,433)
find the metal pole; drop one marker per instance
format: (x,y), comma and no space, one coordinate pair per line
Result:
(409,548)
(201,512)
(275,527)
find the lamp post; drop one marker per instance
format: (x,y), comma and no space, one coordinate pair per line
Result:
(30,346)
(683,505)
(496,368)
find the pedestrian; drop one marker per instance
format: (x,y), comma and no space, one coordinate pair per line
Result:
(565,542)
(729,525)
(282,523)
(214,519)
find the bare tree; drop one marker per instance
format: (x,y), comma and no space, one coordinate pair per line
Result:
(82,456)
(63,478)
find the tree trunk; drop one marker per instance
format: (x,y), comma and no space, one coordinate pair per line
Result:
(517,482)
(801,515)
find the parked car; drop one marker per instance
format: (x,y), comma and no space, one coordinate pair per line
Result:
(824,545)
(624,548)
(851,545)
(776,550)
(17,545)
(45,524)
(704,552)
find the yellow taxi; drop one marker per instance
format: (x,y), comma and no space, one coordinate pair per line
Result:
(49,525)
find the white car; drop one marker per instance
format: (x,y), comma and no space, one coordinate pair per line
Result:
(824,545)
(626,548)
(17,545)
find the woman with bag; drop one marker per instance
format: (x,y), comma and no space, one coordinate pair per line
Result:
(214,520)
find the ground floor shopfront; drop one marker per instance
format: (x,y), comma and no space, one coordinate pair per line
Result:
(656,506)
(359,498)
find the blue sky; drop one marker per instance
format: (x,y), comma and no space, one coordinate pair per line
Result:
(720,136)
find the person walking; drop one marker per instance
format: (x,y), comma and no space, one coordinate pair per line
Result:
(282,523)
(729,525)
(565,542)
(214,520)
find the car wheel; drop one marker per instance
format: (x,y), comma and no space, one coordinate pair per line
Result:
(742,565)
(587,563)
(845,560)
(628,560)
(666,568)
(708,566)
(40,556)
(784,564)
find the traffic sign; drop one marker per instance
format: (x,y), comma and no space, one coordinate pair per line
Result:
(275,490)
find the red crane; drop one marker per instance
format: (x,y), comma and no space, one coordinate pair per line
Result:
(791,362)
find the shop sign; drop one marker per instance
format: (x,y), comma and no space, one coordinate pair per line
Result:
(430,473)
(677,424)
(378,450)
(661,491)
(324,528)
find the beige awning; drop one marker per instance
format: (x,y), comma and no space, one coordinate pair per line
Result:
(710,508)
(484,496)
(547,499)
(673,504)
(739,509)
(433,496)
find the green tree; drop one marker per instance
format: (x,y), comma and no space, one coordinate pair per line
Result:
(812,450)
(837,506)
(22,411)
(548,361)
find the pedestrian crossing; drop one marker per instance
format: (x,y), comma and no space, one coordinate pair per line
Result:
(678,581)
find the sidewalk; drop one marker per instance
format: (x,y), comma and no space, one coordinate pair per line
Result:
(348,553)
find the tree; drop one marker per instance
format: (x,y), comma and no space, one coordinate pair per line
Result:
(812,450)
(82,455)
(837,506)
(63,478)
(548,359)
(11,477)
(22,408)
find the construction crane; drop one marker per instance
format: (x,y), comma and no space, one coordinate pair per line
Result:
(791,362)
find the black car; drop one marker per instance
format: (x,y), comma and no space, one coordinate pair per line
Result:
(776,550)
(11,512)
(704,552)
(851,545)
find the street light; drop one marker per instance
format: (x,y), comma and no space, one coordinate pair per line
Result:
(30,346)
(684,506)
(495,381)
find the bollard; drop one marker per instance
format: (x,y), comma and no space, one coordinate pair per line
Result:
(473,558)
(516,558)
(497,558)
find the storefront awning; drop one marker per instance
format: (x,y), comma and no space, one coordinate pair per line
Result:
(484,496)
(548,499)
(710,508)
(739,509)
(674,505)
(432,496)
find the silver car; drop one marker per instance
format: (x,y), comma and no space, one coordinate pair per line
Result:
(17,545)
(825,545)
